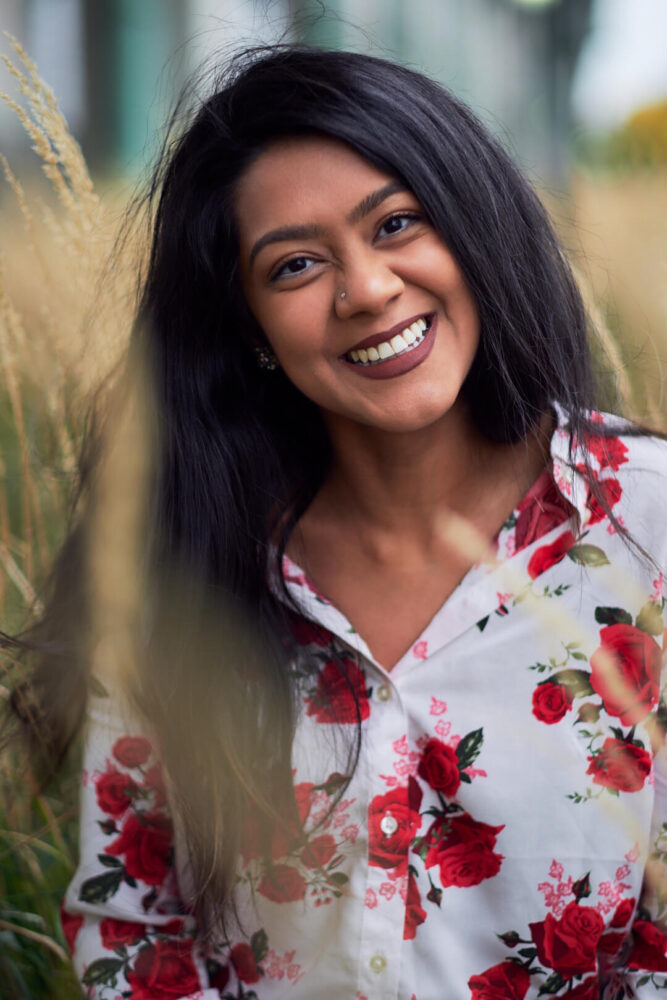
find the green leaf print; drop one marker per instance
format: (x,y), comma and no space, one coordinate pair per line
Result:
(102,971)
(588,555)
(469,747)
(612,616)
(650,619)
(578,682)
(101,887)
(554,983)
(259,944)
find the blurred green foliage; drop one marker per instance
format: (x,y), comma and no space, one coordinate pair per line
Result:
(37,859)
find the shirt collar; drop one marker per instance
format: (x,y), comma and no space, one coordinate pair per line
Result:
(567,463)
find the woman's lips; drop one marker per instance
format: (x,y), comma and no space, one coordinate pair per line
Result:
(378,338)
(400,363)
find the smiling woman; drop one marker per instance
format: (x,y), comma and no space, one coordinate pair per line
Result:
(396,724)
(337,258)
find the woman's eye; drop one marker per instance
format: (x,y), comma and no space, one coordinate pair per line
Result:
(291,267)
(397,224)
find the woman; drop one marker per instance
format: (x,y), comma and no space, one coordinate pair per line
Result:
(399,697)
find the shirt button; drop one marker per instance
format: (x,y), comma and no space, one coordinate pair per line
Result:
(378,963)
(384,692)
(388,825)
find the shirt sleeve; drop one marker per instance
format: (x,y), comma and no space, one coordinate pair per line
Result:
(129,932)
(644,973)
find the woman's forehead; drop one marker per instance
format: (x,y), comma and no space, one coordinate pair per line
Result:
(297,178)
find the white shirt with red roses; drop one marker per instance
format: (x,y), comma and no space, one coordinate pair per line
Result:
(504,834)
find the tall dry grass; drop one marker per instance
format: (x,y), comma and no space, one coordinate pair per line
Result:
(64,324)
(64,321)
(621,235)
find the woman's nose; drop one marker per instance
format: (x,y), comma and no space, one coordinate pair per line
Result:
(367,284)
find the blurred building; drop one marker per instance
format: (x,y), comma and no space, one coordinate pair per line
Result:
(116,65)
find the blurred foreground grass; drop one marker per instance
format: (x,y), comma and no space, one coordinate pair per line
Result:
(62,327)
(64,323)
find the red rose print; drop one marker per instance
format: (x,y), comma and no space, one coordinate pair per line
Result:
(282,839)
(71,926)
(609,451)
(623,912)
(611,491)
(551,702)
(388,848)
(319,851)
(285,840)
(439,767)
(116,933)
(341,690)
(588,990)
(131,751)
(548,555)
(415,914)
(282,884)
(468,864)
(174,926)
(625,672)
(115,791)
(218,975)
(244,963)
(307,633)
(507,981)
(154,780)
(303,796)
(620,765)
(610,942)
(463,849)
(568,945)
(447,832)
(542,509)
(163,971)
(145,840)
(649,949)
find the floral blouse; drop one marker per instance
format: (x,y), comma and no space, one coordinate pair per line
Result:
(504,835)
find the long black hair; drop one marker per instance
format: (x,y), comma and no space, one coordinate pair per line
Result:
(241,452)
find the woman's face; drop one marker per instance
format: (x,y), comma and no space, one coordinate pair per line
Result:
(316,220)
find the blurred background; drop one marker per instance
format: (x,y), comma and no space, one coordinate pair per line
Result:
(576,89)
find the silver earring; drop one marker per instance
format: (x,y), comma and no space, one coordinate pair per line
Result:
(266,359)
(342,295)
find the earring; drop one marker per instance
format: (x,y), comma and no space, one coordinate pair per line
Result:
(342,295)
(265,359)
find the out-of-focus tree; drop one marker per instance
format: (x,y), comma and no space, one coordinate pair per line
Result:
(512,60)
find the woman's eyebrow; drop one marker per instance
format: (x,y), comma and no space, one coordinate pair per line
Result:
(285,233)
(374,199)
(307,232)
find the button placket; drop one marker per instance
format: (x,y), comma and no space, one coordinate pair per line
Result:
(381,941)
(388,824)
(377,963)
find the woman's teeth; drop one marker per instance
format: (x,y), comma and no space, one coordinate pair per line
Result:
(407,340)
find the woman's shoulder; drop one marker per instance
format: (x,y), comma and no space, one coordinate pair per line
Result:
(617,445)
(628,449)
(625,464)
(630,464)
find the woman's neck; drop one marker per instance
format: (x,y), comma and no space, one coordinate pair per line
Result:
(395,489)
